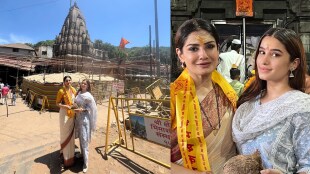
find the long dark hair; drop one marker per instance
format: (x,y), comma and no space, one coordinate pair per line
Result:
(88,86)
(192,25)
(294,47)
(64,79)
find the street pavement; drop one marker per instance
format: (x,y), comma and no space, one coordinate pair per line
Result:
(29,141)
(29,144)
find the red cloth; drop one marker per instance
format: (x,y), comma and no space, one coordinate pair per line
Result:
(123,43)
(5,90)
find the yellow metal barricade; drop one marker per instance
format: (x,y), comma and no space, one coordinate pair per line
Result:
(45,103)
(152,128)
(31,96)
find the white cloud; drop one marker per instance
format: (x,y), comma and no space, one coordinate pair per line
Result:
(3,41)
(19,39)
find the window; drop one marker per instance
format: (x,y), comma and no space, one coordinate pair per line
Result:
(44,53)
(15,50)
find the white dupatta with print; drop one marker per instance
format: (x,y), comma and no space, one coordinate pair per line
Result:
(253,119)
(87,101)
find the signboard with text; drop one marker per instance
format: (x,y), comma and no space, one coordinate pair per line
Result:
(118,86)
(150,128)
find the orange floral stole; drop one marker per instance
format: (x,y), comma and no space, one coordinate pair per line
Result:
(68,100)
(186,118)
(249,82)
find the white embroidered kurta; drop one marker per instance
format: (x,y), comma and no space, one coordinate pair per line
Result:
(279,129)
(85,121)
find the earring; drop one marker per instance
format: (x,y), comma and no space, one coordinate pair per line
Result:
(291,74)
(183,65)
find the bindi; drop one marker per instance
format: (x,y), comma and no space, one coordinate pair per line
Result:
(201,39)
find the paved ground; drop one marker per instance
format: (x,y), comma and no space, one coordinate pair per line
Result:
(29,143)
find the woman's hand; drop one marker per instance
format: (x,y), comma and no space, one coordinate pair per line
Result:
(65,106)
(78,110)
(271,171)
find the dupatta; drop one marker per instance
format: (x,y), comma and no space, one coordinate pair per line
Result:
(67,99)
(252,119)
(186,117)
(87,101)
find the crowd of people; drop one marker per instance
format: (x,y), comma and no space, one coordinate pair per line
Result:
(215,116)
(6,93)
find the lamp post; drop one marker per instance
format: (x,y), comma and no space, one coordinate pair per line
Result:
(44,71)
(151,54)
(31,58)
(18,67)
(157,40)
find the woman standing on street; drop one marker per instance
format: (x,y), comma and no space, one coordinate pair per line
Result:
(202,103)
(86,118)
(65,100)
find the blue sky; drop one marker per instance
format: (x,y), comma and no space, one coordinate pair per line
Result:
(31,21)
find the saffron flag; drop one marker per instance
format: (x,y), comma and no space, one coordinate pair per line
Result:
(123,43)
(244,8)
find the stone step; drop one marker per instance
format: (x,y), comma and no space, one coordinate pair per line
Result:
(26,143)
(21,163)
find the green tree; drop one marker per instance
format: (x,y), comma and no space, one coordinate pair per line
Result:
(134,53)
(112,50)
(138,51)
(30,44)
(165,55)
(45,43)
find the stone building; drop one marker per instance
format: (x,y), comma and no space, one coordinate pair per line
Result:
(16,60)
(73,44)
(73,51)
(44,51)
(17,49)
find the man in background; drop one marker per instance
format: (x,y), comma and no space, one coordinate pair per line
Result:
(228,59)
(5,90)
(235,83)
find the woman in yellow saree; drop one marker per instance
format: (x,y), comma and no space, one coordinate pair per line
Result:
(65,99)
(202,103)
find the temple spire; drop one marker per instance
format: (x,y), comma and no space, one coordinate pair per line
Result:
(73,39)
(71,3)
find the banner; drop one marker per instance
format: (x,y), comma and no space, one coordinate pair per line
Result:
(244,8)
(153,129)
(118,86)
(157,92)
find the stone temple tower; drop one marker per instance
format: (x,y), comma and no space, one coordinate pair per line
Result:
(73,41)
